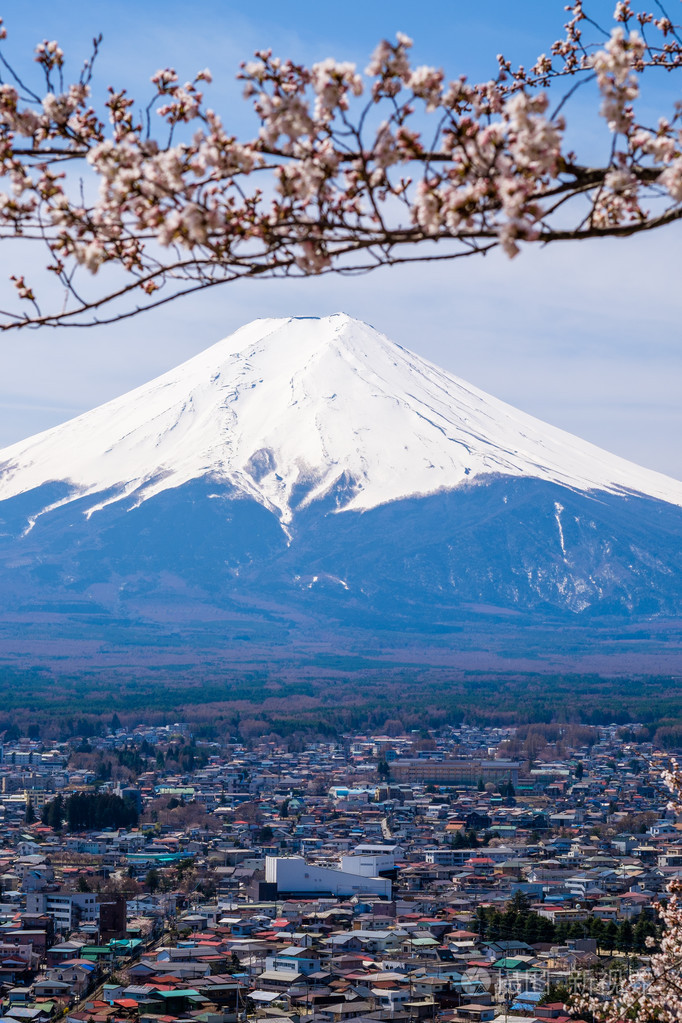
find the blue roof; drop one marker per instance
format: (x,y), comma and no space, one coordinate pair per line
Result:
(531,998)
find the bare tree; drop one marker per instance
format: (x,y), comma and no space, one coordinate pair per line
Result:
(347,172)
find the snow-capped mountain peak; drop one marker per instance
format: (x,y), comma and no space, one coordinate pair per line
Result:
(290,410)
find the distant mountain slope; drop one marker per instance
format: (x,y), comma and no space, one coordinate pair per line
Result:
(313,470)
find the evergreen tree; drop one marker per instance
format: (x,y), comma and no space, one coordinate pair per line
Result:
(610,936)
(531,930)
(625,938)
(596,931)
(152,880)
(87,811)
(520,902)
(56,813)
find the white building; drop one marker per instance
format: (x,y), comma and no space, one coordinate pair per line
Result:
(68,911)
(293,876)
(371,865)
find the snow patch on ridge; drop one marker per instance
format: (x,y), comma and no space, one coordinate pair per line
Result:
(558,508)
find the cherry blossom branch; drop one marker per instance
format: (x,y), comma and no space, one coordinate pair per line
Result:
(346,173)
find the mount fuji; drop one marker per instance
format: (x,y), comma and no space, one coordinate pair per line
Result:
(310,476)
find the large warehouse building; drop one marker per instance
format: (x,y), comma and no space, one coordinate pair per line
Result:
(291,875)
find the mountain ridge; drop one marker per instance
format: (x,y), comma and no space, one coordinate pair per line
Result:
(288,409)
(304,482)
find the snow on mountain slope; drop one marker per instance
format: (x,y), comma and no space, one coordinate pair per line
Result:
(284,408)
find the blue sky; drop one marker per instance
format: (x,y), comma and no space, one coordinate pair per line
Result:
(585,336)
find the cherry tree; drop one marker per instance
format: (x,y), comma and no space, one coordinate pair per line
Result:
(653,994)
(347,171)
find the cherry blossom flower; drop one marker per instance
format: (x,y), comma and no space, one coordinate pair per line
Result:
(343,171)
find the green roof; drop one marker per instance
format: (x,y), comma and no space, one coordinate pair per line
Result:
(512,964)
(182,993)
